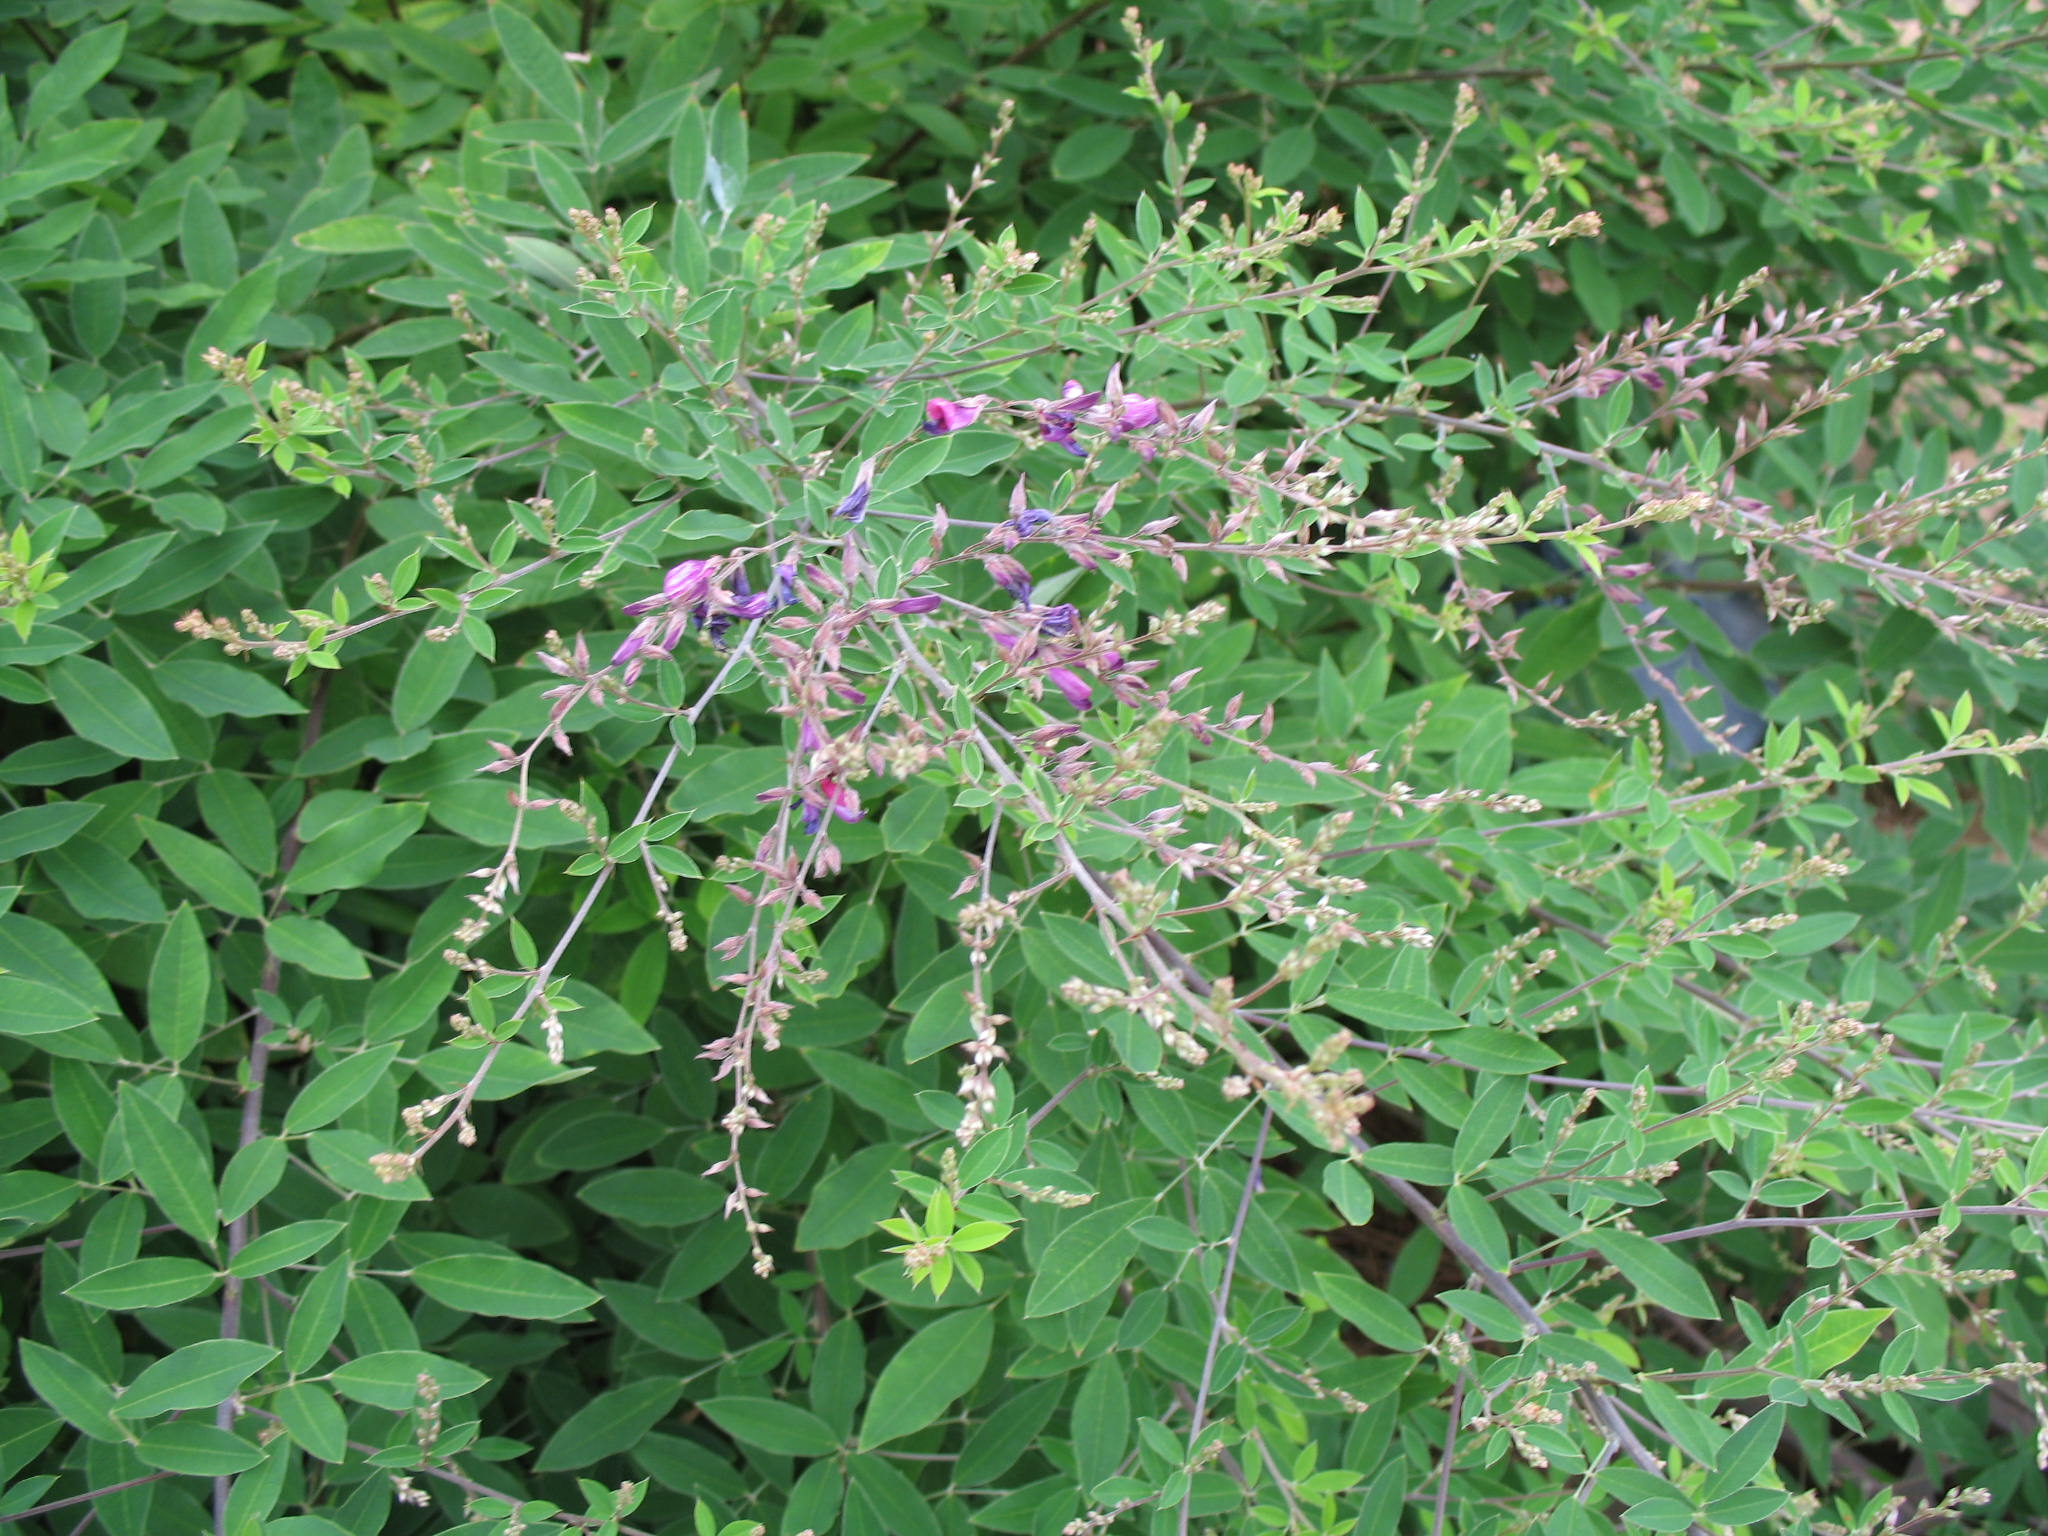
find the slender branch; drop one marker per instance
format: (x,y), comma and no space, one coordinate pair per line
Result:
(251,1127)
(1443,1471)
(36,1250)
(82,1498)
(1513,73)
(1230,1247)
(1749,1223)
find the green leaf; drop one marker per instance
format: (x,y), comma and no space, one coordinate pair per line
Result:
(610,1423)
(844,265)
(42,826)
(252,1173)
(537,61)
(848,1201)
(214,688)
(493,1286)
(201,1375)
(1746,1453)
(31,1008)
(174,1166)
(356,235)
(237,814)
(428,680)
(1008,1433)
(234,319)
(939,1363)
(313,1418)
(1102,1419)
(344,1156)
(316,947)
(180,977)
(105,708)
(610,427)
(21,448)
(915,818)
(1419,1162)
(1496,1049)
(196,1449)
(350,855)
(317,1319)
(653,1197)
(390,1378)
(1372,1312)
(292,1243)
(1085,1258)
(1658,1273)
(1401,1012)
(1838,1333)
(74,1394)
(782,1429)
(82,65)
(206,241)
(337,1089)
(1091,151)
(1349,1191)
(881,1499)
(145,1283)
(101,882)
(213,876)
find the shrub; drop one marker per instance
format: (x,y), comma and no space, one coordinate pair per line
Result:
(703,842)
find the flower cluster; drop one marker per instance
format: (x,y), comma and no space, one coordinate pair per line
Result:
(1109,410)
(696,595)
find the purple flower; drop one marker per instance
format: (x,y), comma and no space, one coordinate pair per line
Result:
(687,583)
(630,647)
(1010,576)
(924,604)
(752,606)
(1072,686)
(943,416)
(840,800)
(785,584)
(1057,427)
(810,736)
(1136,414)
(1030,521)
(833,796)
(855,505)
(1058,619)
(1057,418)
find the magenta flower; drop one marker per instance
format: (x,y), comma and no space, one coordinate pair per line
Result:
(1135,414)
(1072,686)
(833,796)
(943,416)
(925,604)
(687,583)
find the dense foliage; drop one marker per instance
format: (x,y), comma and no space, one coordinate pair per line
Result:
(900,768)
